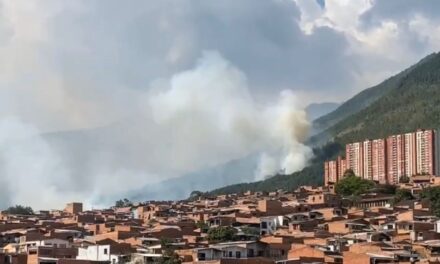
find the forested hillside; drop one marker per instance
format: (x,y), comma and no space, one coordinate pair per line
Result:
(405,102)
(414,103)
(362,101)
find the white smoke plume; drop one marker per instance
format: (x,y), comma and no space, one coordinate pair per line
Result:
(198,118)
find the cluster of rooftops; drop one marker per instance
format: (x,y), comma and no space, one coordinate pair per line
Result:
(307,225)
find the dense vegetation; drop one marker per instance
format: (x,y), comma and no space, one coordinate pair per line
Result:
(402,195)
(169,256)
(412,103)
(352,185)
(123,203)
(221,234)
(19,210)
(367,98)
(433,195)
(405,102)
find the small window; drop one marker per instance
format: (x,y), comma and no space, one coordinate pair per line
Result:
(230,254)
(105,251)
(237,254)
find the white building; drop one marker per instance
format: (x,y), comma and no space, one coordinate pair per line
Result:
(101,253)
(269,224)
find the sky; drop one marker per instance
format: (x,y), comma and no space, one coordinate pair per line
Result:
(159,89)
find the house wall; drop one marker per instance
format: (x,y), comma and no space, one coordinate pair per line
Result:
(306,253)
(95,253)
(272,223)
(337,227)
(358,258)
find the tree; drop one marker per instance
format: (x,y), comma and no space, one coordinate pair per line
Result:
(402,195)
(195,195)
(404,179)
(20,210)
(168,254)
(352,186)
(433,195)
(250,231)
(123,203)
(221,234)
(348,173)
(386,189)
(203,226)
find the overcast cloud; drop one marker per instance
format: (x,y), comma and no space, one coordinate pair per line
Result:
(114,66)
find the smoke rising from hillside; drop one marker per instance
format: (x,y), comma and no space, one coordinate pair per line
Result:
(198,118)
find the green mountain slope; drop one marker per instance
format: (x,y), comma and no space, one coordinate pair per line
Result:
(414,103)
(405,102)
(361,101)
(311,175)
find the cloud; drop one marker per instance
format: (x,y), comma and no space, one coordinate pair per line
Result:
(199,118)
(142,101)
(377,34)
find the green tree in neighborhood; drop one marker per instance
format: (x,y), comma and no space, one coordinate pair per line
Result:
(203,226)
(404,179)
(123,203)
(353,186)
(433,195)
(20,210)
(402,195)
(168,254)
(348,173)
(221,234)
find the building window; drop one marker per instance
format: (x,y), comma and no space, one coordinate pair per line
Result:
(237,254)
(263,224)
(105,251)
(230,254)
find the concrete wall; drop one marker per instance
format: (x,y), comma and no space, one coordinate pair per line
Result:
(95,253)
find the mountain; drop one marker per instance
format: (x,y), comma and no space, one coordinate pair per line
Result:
(316,110)
(310,175)
(206,179)
(91,155)
(414,102)
(361,101)
(402,103)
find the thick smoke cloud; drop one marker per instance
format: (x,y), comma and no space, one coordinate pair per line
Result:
(198,118)
(98,99)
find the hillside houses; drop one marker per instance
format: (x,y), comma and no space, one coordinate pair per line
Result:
(307,225)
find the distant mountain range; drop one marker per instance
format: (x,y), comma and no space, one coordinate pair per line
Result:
(316,110)
(180,187)
(404,102)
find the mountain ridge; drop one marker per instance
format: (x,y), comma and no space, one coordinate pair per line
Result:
(410,100)
(361,101)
